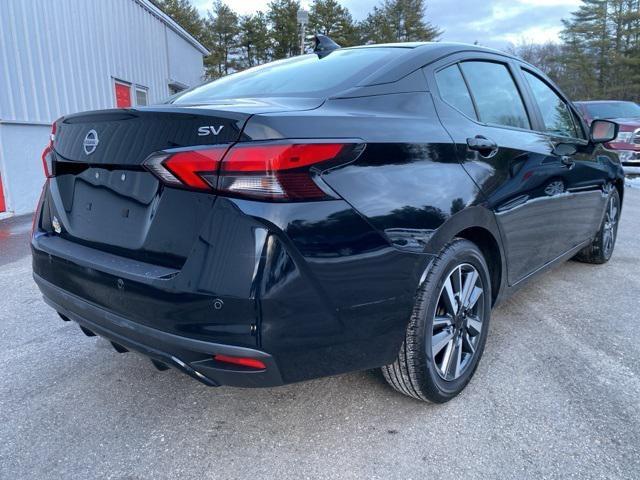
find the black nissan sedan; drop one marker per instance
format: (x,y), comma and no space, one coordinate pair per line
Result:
(350,209)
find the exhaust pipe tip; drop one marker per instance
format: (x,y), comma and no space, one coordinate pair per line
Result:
(64,317)
(118,348)
(87,332)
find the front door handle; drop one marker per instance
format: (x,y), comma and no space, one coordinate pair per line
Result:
(483,145)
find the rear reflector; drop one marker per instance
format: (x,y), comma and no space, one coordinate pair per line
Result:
(242,361)
(47,161)
(276,172)
(47,154)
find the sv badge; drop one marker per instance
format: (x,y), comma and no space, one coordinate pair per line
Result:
(209,130)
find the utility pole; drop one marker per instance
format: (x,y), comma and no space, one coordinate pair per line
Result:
(303,20)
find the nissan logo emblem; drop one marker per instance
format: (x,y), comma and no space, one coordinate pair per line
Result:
(90,142)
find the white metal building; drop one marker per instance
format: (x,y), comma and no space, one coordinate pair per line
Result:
(65,56)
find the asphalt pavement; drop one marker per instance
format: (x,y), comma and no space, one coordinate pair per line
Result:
(557,395)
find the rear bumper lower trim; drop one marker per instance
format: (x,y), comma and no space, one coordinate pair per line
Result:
(192,356)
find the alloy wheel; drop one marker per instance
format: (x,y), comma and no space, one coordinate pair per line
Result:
(610,221)
(458,322)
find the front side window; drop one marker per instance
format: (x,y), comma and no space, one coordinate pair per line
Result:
(556,115)
(453,90)
(497,98)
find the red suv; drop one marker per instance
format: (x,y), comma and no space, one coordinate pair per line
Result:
(625,114)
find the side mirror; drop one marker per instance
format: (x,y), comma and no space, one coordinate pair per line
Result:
(603,131)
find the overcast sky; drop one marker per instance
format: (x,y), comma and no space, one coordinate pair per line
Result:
(494,23)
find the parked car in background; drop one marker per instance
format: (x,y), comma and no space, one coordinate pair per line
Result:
(363,207)
(627,116)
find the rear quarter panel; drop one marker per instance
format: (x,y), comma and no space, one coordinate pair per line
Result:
(407,186)
(408,182)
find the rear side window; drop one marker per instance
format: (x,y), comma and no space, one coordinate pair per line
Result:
(556,116)
(497,98)
(305,75)
(453,90)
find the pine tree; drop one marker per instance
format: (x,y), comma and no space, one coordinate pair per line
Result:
(329,18)
(238,42)
(254,40)
(589,33)
(222,39)
(398,21)
(602,49)
(283,19)
(627,60)
(186,15)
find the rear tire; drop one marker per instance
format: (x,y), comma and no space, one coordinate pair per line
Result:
(603,244)
(448,328)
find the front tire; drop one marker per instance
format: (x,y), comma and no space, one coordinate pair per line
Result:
(448,328)
(601,248)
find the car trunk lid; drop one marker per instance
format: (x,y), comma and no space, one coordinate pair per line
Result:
(101,195)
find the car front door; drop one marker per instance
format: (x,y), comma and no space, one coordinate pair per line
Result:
(487,112)
(584,180)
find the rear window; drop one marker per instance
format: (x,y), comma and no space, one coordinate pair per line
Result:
(305,75)
(497,98)
(454,90)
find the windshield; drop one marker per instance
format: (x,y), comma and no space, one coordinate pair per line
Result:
(305,75)
(613,110)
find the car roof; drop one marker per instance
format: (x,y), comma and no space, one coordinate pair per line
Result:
(434,46)
(418,54)
(589,102)
(390,45)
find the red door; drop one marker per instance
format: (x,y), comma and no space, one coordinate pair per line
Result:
(2,204)
(123,95)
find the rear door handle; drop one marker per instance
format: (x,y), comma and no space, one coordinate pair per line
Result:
(483,145)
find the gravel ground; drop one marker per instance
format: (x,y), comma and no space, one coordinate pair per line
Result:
(633,182)
(557,395)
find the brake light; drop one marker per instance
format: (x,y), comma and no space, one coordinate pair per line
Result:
(242,361)
(274,158)
(47,154)
(195,169)
(276,172)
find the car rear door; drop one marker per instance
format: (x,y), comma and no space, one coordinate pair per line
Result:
(488,114)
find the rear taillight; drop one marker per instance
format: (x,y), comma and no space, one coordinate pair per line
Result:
(277,172)
(47,154)
(195,169)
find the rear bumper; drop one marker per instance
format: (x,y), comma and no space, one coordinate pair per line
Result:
(312,284)
(191,356)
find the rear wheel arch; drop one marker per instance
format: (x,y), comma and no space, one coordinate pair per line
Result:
(490,248)
(478,225)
